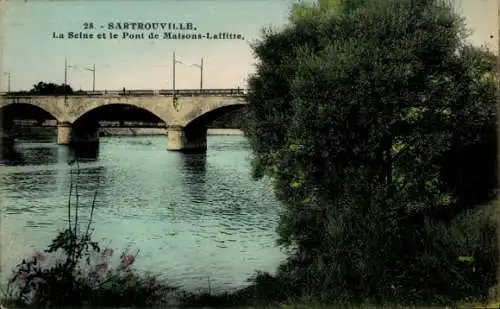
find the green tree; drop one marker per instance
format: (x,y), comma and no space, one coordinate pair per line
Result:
(303,10)
(352,109)
(43,88)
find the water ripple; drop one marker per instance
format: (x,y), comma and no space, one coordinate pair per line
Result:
(193,217)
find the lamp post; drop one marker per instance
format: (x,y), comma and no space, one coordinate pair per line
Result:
(201,72)
(174,62)
(8,81)
(93,76)
(66,67)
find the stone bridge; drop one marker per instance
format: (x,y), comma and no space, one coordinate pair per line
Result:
(185,115)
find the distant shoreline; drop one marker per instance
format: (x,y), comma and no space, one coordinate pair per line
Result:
(162,131)
(237,132)
(51,131)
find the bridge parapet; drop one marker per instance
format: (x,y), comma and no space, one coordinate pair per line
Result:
(236,92)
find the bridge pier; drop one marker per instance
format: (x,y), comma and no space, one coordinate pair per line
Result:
(7,146)
(64,133)
(184,140)
(7,140)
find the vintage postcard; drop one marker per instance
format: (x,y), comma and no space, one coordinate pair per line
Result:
(241,152)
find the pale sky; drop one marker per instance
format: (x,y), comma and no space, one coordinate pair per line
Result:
(31,54)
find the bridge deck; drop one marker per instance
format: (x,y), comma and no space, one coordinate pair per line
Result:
(161,92)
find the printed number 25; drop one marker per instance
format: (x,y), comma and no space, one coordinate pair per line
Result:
(88,26)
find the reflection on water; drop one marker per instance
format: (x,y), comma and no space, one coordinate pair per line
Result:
(192,216)
(85,152)
(43,151)
(194,175)
(10,156)
(32,153)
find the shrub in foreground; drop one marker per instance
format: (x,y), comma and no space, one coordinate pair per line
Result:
(373,118)
(46,278)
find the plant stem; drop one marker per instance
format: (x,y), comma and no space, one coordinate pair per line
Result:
(69,198)
(91,213)
(77,199)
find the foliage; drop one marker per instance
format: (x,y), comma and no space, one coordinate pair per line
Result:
(356,111)
(305,10)
(74,271)
(43,88)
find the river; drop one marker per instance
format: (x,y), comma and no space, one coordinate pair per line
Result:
(197,219)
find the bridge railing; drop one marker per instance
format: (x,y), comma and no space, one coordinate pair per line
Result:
(102,124)
(144,92)
(131,124)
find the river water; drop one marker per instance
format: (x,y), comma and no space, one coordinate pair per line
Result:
(197,219)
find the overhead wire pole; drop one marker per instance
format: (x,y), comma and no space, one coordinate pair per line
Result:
(201,72)
(65,71)
(173,77)
(174,62)
(8,80)
(93,76)
(66,66)
(65,80)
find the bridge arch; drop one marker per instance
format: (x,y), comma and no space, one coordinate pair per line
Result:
(86,127)
(82,107)
(27,110)
(117,112)
(200,120)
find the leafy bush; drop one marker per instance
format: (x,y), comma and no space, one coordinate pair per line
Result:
(374,118)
